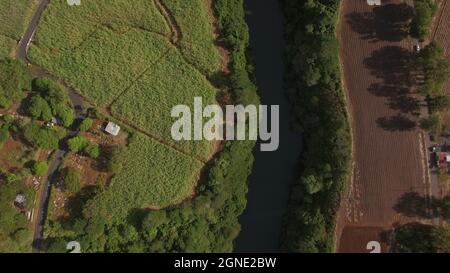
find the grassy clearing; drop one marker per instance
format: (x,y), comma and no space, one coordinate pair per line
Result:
(197,41)
(153,175)
(14,16)
(148,103)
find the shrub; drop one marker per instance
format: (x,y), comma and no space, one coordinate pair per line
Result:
(93,150)
(86,125)
(39,168)
(77,144)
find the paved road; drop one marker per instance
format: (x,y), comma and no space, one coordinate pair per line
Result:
(77,101)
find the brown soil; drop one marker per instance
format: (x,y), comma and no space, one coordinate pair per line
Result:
(388,165)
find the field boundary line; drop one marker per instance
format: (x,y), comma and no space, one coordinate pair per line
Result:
(439,21)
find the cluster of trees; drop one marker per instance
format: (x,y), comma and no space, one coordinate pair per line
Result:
(421,238)
(81,144)
(314,88)
(41,137)
(14,79)
(50,100)
(423,17)
(209,222)
(435,68)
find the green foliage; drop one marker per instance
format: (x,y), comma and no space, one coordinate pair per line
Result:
(39,168)
(56,98)
(436,69)
(86,125)
(15,232)
(39,109)
(420,238)
(93,150)
(77,144)
(433,123)
(423,17)
(14,79)
(72,180)
(313,82)
(4,134)
(41,137)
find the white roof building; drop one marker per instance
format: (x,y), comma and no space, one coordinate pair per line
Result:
(112,129)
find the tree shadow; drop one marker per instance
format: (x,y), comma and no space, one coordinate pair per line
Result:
(404,104)
(389,22)
(412,204)
(392,64)
(396,123)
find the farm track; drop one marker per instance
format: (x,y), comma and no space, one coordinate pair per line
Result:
(388,156)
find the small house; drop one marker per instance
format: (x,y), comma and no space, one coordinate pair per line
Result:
(112,129)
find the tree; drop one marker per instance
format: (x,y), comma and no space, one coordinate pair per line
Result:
(39,108)
(432,123)
(41,137)
(72,181)
(420,238)
(86,125)
(40,168)
(312,184)
(421,23)
(65,113)
(77,144)
(435,67)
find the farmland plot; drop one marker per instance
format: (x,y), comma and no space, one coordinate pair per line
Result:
(149,101)
(153,174)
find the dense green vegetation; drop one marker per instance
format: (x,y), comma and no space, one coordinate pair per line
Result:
(435,67)
(14,79)
(14,16)
(423,17)
(314,85)
(420,238)
(116,218)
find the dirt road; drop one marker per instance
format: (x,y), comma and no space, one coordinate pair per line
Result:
(77,102)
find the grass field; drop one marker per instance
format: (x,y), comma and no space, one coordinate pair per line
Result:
(13,19)
(148,102)
(154,175)
(196,41)
(136,60)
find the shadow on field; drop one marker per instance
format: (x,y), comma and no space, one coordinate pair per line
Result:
(396,123)
(412,204)
(393,66)
(386,23)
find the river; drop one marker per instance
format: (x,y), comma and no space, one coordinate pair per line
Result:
(272,171)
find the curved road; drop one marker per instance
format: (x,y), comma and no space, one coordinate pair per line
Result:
(77,101)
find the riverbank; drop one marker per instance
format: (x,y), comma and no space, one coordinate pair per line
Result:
(320,113)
